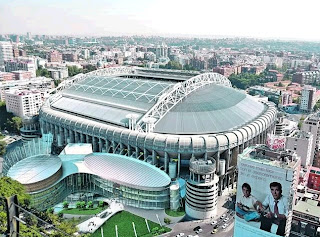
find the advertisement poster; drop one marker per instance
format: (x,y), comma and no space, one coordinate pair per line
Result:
(264,200)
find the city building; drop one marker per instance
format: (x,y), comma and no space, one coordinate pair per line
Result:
(272,94)
(6,53)
(21,64)
(58,73)
(43,84)
(6,76)
(308,77)
(306,218)
(308,98)
(312,124)
(30,128)
(261,171)
(23,102)
(301,142)
(70,57)
(313,174)
(21,75)
(54,56)
(160,116)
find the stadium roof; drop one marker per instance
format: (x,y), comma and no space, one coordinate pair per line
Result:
(127,171)
(35,169)
(212,109)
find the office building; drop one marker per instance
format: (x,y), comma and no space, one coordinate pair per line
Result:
(312,124)
(308,98)
(306,78)
(260,171)
(21,64)
(23,102)
(6,53)
(58,73)
(301,142)
(54,56)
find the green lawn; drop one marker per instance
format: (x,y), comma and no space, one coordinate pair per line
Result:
(124,221)
(87,211)
(175,213)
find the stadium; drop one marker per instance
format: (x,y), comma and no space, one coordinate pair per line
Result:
(188,125)
(163,117)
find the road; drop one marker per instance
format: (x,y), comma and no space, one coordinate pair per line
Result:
(187,227)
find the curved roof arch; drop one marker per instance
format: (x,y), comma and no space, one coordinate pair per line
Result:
(176,94)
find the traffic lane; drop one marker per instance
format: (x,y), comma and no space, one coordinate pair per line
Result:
(187,227)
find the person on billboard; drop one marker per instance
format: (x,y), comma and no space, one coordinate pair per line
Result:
(277,210)
(246,205)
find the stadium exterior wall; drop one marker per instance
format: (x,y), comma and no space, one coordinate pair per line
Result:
(160,148)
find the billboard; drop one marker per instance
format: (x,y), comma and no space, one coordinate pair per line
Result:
(275,142)
(264,199)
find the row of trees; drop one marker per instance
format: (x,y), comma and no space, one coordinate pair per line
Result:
(177,66)
(245,80)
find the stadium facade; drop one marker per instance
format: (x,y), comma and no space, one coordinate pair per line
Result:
(185,123)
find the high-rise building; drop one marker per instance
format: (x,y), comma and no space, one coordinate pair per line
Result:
(301,142)
(23,102)
(54,56)
(21,64)
(308,98)
(267,181)
(6,53)
(312,124)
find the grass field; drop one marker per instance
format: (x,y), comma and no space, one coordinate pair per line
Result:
(87,211)
(124,220)
(175,213)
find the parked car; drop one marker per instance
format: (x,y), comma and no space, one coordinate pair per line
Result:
(214,223)
(224,226)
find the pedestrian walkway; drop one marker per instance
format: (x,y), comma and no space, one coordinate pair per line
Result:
(94,223)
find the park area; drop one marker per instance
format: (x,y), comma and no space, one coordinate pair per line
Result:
(124,220)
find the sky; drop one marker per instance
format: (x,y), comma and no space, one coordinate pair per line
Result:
(271,19)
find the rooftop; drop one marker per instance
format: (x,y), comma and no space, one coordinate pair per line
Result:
(35,169)
(309,207)
(264,155)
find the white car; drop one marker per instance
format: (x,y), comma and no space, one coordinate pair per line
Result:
(214,223)
(223,216)
(225,220)
(181,234)
(198,231)
(224,226)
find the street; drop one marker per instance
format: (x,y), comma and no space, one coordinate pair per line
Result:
(187,227)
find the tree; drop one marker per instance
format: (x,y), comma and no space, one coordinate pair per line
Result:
(74,70)
(167,220)
(65,204)
(101,203)
(90,204)
(78,205)
(3,146)
(42,72)
(8,188)
(14,124)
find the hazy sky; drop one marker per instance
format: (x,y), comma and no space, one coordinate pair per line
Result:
(284,19)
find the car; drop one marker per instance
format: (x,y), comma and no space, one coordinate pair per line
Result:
(226,219)
(216,227)
(214,231)
(224,226)
(196,228)
(214,223)
(198,231)
(178,235)
(181,234)
(223,216)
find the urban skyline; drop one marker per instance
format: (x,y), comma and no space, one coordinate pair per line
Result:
(175,19)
